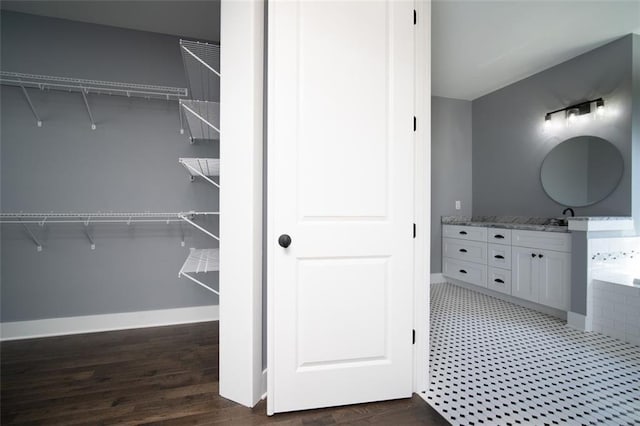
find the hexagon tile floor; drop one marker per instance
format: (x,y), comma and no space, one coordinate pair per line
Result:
(496,363)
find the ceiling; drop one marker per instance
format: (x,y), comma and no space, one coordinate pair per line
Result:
(481,46)
(478,46)
(186,18)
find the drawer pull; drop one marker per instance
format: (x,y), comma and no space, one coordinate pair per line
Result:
(462,271)
(498,280)
(463,232)
(498,256)
(462,250)
(498,236)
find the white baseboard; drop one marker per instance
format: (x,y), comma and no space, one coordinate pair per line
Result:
(438,278)
(107,322)
(508,298)
(264,384)
(577,321)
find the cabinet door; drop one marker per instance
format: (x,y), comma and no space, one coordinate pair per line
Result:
(524,273)
(555,279)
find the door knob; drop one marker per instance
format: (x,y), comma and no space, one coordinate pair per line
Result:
(284,240)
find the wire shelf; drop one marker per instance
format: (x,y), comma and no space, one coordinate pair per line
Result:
(52,217)
(43,82)
(201,261)
(203,167)
(203,119)
(202,68)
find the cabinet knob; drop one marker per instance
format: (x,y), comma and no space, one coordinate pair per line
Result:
(498,280)
(462,271)
(533,255)
(463,232)
(540,256)
(498,236)
(462,250)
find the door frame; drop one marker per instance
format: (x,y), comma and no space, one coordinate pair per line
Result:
(422,206)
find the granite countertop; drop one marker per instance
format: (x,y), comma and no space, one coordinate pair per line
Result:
(508,222)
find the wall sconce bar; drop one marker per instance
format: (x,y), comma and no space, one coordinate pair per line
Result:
(577,109)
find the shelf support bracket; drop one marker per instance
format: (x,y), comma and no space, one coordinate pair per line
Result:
(195,225)
(204,120)
(33,237)
(33,109)
(207,178)
(87,232)
(197,58)
(183,274)
(181,119)
(86,104)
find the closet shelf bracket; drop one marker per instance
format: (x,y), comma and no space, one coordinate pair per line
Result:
(87,232)
(33,109)
(33,237)
(189,220)
(86,104)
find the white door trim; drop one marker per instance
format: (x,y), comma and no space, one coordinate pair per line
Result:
(241,151)
(422,185)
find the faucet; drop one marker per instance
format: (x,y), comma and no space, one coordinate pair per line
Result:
(568,209)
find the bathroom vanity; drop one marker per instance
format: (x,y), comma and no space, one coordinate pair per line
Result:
(526,261)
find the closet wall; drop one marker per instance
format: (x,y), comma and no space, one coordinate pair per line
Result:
(128,164)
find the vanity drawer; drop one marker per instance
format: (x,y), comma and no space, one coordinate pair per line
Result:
(499,256)
(472,251)
(499,236)
(499,280)
(542,240)
(472,233)
(470,272)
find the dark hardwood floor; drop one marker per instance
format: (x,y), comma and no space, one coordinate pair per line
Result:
(163,375)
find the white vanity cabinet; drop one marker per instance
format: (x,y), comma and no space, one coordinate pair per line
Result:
(538,274)
(531,265)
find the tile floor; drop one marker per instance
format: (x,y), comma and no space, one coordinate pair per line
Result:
(496,363)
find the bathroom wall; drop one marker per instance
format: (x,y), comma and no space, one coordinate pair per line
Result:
(129,163)
(450,166)
(510,141)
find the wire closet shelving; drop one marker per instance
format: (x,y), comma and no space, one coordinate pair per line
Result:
(201,261)
(202,115)
(87,219)
(202,110)
(85,87)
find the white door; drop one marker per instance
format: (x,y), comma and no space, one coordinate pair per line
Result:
(340,122)
(555,278)
(524,273)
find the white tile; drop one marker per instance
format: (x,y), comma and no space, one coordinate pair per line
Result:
(496,363)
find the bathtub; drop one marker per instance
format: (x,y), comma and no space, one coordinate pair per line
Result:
(616,292)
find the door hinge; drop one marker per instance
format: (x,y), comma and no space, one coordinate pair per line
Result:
(415,123)
(413,338)
(415,17)
(414,230)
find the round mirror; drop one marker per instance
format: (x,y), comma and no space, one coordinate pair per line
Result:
(581,171)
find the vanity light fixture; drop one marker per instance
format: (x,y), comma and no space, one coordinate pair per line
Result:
(576,110)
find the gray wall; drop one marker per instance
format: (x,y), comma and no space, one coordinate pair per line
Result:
(450,166)
(509,143)
(130,163)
